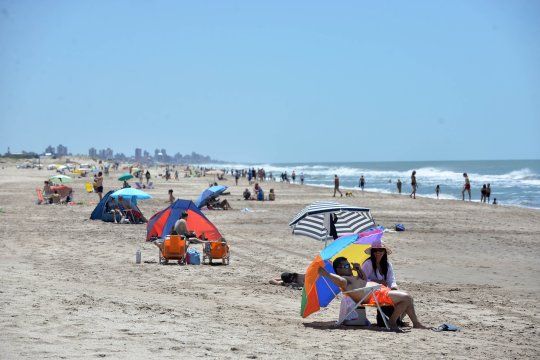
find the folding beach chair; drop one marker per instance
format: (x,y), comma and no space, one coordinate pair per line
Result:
(138,185)
(346,314)
(41,199)
(216,250)
(174,248)
(150,185)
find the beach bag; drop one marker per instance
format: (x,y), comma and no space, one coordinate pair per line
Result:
(400,227)
(193,257)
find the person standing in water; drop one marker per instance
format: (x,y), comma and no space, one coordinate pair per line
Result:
(466,187)
(362,182)
(398,184)
(438,190)
(488,193)
(413,184)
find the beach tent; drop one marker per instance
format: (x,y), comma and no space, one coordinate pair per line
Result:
(161,223)
(208,194)
(314,220)
(100,212)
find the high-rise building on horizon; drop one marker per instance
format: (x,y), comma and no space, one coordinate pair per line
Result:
(92,152)
(61,150)
(50,150)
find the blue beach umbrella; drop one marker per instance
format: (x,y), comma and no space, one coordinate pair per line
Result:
(131,193)
(210,193)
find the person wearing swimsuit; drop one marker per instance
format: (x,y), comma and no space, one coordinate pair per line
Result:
(466,187)
(413,185)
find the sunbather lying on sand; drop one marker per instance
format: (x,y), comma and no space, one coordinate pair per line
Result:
(289,279)
(218,204)
(346,281)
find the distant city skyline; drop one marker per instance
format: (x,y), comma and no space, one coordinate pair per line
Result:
(274,82)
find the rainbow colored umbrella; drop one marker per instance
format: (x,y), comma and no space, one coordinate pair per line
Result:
(319,291)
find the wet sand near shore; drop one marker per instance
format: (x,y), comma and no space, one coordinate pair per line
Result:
(70,288)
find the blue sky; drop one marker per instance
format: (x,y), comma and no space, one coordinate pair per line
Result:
(274,81)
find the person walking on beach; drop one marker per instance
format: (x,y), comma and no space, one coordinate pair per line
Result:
(302,178)
(293,177)
(438,190)
(99,185)
(147,176)
(171,196)
(466,187)
(236,177)
(413,184)
(362,182)
(398,184)
(336,186)
(488,193)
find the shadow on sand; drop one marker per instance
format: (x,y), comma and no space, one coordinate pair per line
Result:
(331,325)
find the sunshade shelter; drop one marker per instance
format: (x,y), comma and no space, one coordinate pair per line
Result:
(208,194)
(101,213)
(314,220)
(161,223)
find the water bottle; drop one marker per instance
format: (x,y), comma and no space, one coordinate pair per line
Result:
(138,256)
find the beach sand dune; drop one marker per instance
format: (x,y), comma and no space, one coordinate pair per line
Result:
(69,287)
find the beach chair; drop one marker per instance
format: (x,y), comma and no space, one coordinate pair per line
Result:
(216,250)
(150,185)
(89,187)
(138,185)
(41,199)
(348,308)
(174,248)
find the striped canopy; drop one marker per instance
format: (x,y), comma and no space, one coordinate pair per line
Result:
(313,220)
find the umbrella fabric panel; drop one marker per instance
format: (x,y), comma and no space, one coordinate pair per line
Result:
(348,222)
(130,192)
(320,207)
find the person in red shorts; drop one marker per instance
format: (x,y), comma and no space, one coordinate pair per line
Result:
(466,187)
(346,281)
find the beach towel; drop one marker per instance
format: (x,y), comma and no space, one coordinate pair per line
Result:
(400,227)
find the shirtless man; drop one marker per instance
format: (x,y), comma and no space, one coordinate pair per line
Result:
(346,281)
(99,185)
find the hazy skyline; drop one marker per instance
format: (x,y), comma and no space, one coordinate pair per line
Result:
(274,82)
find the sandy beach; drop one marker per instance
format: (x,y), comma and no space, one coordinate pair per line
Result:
(70,288)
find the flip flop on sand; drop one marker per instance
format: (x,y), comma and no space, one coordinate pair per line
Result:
(447,327)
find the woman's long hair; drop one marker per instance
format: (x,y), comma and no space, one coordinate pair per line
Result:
(384,264)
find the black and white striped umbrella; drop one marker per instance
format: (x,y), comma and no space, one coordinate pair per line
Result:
(313,220)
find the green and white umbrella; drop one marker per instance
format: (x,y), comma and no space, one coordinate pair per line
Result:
(60,179)
(125,177)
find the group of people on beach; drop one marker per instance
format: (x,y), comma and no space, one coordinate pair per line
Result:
(377,269)
(485,191)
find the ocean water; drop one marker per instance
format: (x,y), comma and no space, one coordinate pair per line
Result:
(513,182)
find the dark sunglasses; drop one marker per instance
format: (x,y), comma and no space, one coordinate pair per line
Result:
(378,250)
(345,266)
